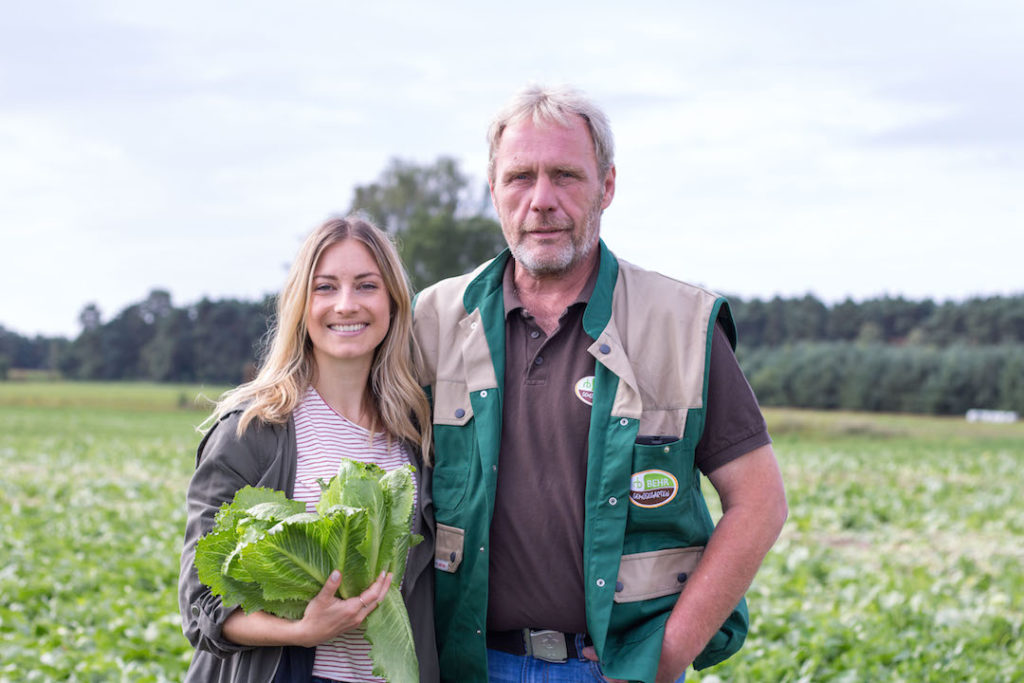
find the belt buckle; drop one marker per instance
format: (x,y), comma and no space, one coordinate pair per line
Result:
(546,645)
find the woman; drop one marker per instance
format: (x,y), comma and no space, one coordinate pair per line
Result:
(336,382)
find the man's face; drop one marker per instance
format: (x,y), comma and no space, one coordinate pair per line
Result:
(549,195)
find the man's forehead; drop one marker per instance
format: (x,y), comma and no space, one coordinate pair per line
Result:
(546,125)
(526,135)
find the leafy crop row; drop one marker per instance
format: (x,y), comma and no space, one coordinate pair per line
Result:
(901,560)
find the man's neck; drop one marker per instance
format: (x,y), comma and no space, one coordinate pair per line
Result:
(547,297)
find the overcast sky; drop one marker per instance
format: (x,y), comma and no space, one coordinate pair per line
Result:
(842,149)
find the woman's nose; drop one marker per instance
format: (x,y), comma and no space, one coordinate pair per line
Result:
(345,300)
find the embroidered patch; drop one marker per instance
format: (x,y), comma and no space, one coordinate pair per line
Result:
(443,565)
(652,488)
(584,390)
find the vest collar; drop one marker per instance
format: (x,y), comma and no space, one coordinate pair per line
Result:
(599,308)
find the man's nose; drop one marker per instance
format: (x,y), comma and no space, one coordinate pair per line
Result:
(543,198)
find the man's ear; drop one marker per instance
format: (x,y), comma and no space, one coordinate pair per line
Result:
(609,188)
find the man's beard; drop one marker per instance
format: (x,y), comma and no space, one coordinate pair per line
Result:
(569,255)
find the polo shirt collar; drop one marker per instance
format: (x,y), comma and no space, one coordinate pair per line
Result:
(511,294)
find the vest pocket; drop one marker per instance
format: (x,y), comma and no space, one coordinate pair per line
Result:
(655,574)
(454,443)
(455,450)
(448,549)
(661,475)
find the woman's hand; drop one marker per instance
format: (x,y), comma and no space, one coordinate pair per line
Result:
(327,615)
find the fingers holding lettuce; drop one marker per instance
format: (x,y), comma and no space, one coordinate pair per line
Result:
(325,617)
(328,616)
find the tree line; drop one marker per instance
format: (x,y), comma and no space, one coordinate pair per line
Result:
(938,364)
(883,354)
(888,378)
(980,321)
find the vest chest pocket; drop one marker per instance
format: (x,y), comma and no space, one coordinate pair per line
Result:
(454,443)
(659,488)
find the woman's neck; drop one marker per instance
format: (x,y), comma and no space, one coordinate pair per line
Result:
(346,391)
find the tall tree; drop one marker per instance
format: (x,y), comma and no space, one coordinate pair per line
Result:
(226,337)
(440,228)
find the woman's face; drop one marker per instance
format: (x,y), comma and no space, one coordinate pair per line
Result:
(349,306)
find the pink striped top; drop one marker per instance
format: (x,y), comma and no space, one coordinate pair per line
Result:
(324,437)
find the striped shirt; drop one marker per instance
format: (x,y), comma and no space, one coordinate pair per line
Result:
(324,437)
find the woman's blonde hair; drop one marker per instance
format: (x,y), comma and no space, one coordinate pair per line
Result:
(288,364)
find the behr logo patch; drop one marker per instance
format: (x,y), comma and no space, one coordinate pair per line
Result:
(584,390)
(652,488)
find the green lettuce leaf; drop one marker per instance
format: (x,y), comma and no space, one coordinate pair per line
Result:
(266,553)
(390,636)
(399,493)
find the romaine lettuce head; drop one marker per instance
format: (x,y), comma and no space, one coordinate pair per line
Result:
(266,553)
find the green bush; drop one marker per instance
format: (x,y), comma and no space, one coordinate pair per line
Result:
(883,378)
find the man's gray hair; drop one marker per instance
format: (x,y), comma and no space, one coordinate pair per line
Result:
(554,105)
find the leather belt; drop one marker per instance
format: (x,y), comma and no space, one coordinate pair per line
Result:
(549,646)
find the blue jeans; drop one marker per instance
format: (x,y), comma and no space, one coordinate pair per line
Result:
(505,668)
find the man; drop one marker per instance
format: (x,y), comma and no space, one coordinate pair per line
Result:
(576,400)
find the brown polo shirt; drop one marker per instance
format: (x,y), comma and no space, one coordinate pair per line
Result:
(536,558)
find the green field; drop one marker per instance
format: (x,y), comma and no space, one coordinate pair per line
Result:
(901,560)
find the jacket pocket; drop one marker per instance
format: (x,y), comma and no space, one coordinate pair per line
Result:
(454,444)
(655,574)
(449,548)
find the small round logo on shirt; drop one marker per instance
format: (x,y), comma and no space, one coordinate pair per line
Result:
(652,488)
(584,390)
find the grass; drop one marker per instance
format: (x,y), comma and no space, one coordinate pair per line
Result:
(91,521)
(901,560)
(131,397)
(902,557)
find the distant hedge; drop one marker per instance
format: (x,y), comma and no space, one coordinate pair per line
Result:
(877,377)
